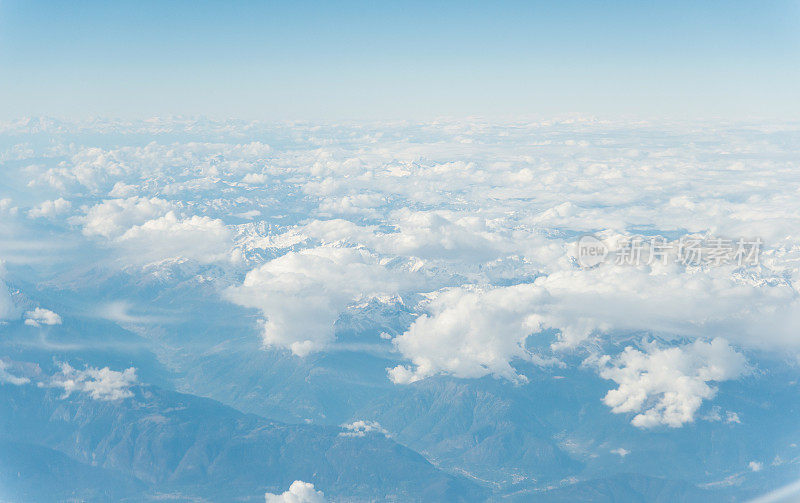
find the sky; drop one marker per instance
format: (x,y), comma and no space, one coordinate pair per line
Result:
(400,60)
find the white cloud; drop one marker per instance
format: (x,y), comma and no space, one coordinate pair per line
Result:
(470,333)
(301,294)
(198,238)
(621,452)
(8,378)
(755,466)
(90,167)
(715,414)
(41,316)
(440,236)
(124,312)
(472,205)
(100,384)
(122,189)
(7,206)
(362,428)
(148,230)
(255,178)
(732,417)
(350,204)
(667,386)
(50,209)
(299,492)
(112,217)
(667,299)
(249,215)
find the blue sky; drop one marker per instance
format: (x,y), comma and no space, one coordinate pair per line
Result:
(385,60)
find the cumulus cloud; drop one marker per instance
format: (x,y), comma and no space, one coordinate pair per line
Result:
(362,428)
(434,235)
(715,414)
(122,189)
(148,230)
(353,204)
(112,217)
(100,384)
(7,206)
(198,238)
(50,209)
(666,386)
(7,377)
(299,492)
(301,294)
(41,316)
(255,178)
(89,167)
(470,333)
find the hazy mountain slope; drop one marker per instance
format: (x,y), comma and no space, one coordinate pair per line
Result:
(625,487)
(184,444)
(32,473)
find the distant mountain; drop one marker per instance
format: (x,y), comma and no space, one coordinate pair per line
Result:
(174,444)
(629,488)
(485,428)
(32,473)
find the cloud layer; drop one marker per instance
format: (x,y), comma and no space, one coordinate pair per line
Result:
(470,227)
